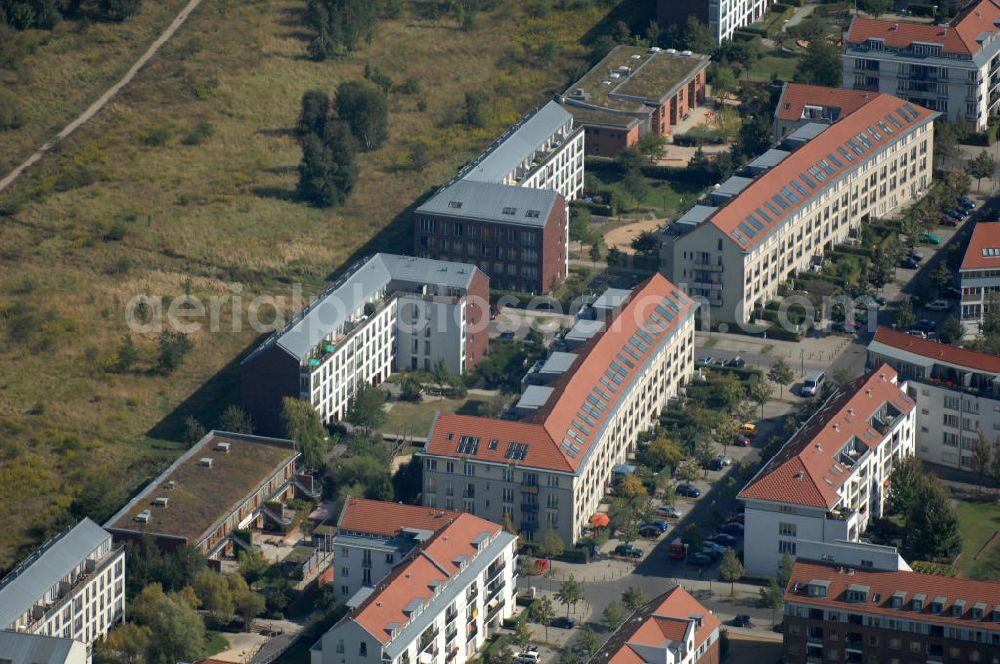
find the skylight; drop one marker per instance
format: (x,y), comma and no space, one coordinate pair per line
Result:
(837,162)
(747,230)
(468,445)
(764,216)
(516,451)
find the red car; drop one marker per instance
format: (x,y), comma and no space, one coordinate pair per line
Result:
(495,310)
(949,221)
(742,441)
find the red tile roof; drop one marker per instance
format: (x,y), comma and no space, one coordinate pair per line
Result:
(761,191)
(547,436)
(886,583)
(432,564)
(803,471)
(796,96)
(985,236)
(938,351)
(664,618)
(388,519)
(957,38)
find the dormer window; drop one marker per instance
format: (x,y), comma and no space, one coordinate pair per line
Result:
(958,608)
(898,600)
(875,44)
(937,606)
(978,610)
(818,588)
(918,602)
(857,593)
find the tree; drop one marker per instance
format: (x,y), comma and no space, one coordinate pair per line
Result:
(695,36)
(500,653)
(522,634)
(365,110)
(173,346)
(570,592)
(339,24)
(941,276)
(904,481)
(651,145)
(951,330)
(365,409)
(904,315)
(476,102)
(728,390)
(982,166)
(213,592)
(589,640)
(772,597)
(731,569)
(821,65)
(630,486)
(782,374)
(125,644)
(11,116)
(692,536)
(633,598)
(193,430)
(408,481)
(875,7)
(760,393)
(723,82)
(613,617)
(246,603)
(659,453)
(551,545)
(755,136)
(441,374)
(688,470)
(252,564)
(842,375)
(982,454)
(314,115)
(301,424)
(177,632)
(235,420)
(119,10)
(328,169)
(931,524)
(785,570)
(126,356)
(543,613)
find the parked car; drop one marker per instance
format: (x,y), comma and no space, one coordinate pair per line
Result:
(661,524)
(929,238)
(718,548)
(507,336)
(724,539)
(734,529)
(951,293)
(909,264)
(847,327)
(959,212)
(915,255)
(948,220)
(920,334)
(966,202)
(628,551)
(736,518)
(688,491)
(669,510)
(747,429)
(939,305)
(564,622)
(924,325)
(706,360)
(737,362)
(711,552)
(530,655)
(495,311)
(725,460)
(742,620)
(742,441)
(699,559)
(650,531)
(714,464)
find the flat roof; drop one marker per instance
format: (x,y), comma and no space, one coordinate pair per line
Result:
(23,648)
(490,201)
(732,186)
(558,362)
(697,214)
(534,397)
(769,159)
(584,329)
(807,132)
(652,77)
(202,496)
(598,116)
(612,298)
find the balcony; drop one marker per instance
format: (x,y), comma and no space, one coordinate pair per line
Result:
(469,493)
(450,615)
(429,638)
(450,633)
(494,588)
(854,643)
(493,609)
(528,508)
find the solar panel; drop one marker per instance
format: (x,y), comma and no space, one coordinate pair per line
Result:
(755,223)
(645,336)
(837,162)
(895,123)
(874,133)
(585,430)
(740,237)
(865,141)
(679,296)
(747,230)
(607,383)
(673,305)
(626,361)
(808,180)
(635,355)
(845,154)
(799,188)
(884,127)
(903,116)
(790,195)
(468,445)
(516,451)
(770,206)
(601,393)
(908,106)
(763,215)
(827,168)
(619,368)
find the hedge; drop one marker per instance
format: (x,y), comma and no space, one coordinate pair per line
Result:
(754,30)
(922,10)
(595,208)
(780,7)
(577,555)
(783,335)
(743,35)
(796,3)
(685,140)
(743,373)
(926,567)
(867,252)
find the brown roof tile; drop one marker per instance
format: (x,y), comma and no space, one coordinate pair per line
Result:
(957,38)
(796,96)
(962,357)
(383,518)
(984,236)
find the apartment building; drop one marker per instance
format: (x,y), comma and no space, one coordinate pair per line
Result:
(634,91)
(71,588)
(224,483)
(23,648)
(374,536)
(957,392)
(673,628)
(733,251)
(492,214)
(979,275)
(551,470)
(801,104)
(386,313)
(440,605)
(723,17)
(829,479)
(953,69)
(873,612)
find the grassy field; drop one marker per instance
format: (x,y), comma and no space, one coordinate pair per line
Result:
(977,523)
(662,197)
(776,65)
(415,419)
(129,206)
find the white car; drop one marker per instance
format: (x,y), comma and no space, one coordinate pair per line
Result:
(669,510)
(529,656)
(939,305)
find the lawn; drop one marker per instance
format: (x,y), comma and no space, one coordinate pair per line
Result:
(977,522)
(777,65)
(129,205)
(415,419)
(662,197)
(214,644)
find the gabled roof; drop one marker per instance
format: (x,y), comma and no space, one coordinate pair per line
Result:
(885,584)
(585,398)
(664,622)
(35,575)
(378,517)
(945,353)
(490,201)
(24,648)
(796,96)
(779,193)
(807,470)
(983,252)
(963,36)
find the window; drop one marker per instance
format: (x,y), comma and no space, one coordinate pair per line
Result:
(362,649)
(786,547)
(786,529)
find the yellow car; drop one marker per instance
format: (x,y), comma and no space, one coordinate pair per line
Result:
(748,429)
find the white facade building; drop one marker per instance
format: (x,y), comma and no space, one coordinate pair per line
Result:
(23,648)
(440,605)
(829,480)
(979,276)
(953,69)
(957,393)
(552,470)
(73,587)
(733,254)
(727,16)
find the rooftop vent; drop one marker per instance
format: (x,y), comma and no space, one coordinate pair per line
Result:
(868,392)
(161,501)
(206,462)
(224,447)
(172,484)
(850,411)
(800,475)
(143,516)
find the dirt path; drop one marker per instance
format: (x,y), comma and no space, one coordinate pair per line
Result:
(622,236)
(104,98)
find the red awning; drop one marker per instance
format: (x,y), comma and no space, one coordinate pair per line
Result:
(600,520)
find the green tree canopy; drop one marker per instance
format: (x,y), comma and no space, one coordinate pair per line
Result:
(633,598)
(731,569)
(235,420)
(613,616)
(904,482)
(365,409)
(301,424)
(931,524)
(551,545)
(314,115)
(365,110)
(904,315)
(570,592)
(821,65)
(328,169)
(782,374)
(982,166)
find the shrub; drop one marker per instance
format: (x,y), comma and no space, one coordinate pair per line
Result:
(922,10)
(577,555)
(199,134)
(11,116)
